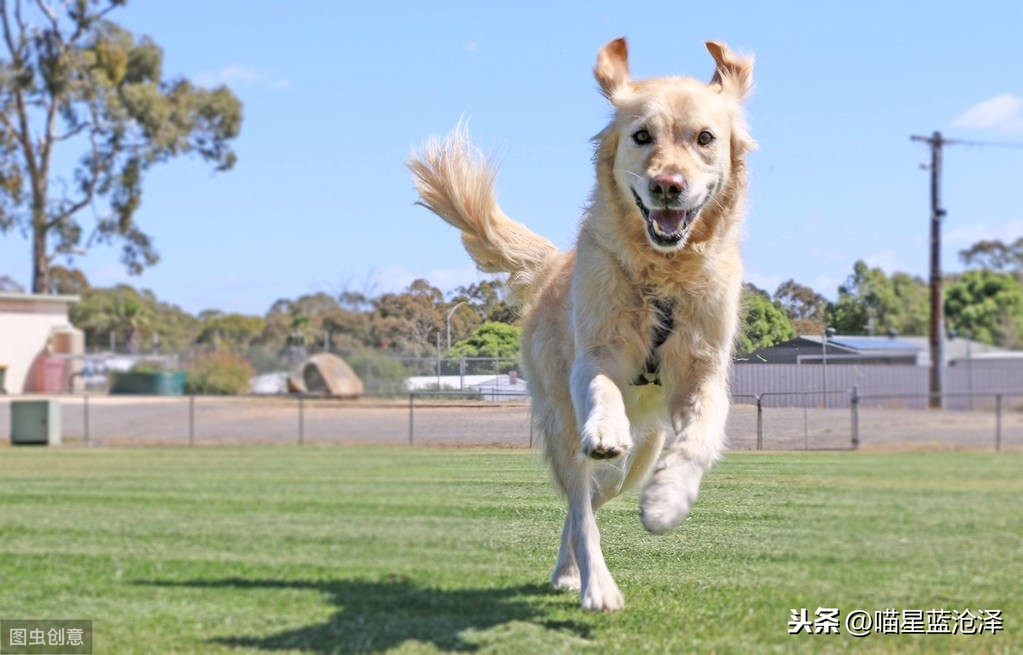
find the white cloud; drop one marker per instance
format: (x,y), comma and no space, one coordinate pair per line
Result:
(109,275)
(397,278)
(237,76)
(827,285)
(886,260)
(1003,113)
(472,46)
(968,235)
(764,281)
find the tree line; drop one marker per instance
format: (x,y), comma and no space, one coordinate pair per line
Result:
(414,323)
(984,302)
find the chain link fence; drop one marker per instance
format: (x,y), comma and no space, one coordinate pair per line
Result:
(768,421)
(383,376)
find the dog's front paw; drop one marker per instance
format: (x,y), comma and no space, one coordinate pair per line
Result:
(602,595)
(669,495)
(606,435)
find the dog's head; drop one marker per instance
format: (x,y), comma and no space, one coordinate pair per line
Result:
(674,142)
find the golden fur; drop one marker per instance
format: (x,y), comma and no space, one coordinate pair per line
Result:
(662,231)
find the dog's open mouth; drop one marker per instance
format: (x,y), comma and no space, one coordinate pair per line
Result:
(666,227)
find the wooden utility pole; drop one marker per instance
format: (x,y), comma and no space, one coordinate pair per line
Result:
(937,323)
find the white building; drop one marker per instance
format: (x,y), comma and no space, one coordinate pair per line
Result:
(33,327)
(489,387)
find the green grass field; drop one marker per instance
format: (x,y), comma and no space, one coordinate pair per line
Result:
(365,550)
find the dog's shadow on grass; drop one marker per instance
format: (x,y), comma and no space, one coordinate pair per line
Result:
(375,615)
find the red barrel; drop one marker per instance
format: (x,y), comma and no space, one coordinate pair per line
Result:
(50,374)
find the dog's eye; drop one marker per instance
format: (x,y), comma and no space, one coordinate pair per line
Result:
(705,138)
(642,138)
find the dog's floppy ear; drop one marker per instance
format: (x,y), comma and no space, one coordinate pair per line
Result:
(612,70)
(734,73)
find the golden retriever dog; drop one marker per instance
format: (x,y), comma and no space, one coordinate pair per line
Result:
(627,338)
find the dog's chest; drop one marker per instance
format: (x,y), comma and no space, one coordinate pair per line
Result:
(663,325)
(679,329)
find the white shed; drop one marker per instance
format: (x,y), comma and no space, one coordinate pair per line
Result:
(28,325)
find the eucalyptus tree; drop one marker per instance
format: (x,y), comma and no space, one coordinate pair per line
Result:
(85,111)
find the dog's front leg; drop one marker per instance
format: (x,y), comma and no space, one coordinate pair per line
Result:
(698,415)
(599,408)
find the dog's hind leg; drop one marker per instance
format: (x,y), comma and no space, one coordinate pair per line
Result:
(566,571)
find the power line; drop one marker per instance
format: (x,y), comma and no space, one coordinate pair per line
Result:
(986,144)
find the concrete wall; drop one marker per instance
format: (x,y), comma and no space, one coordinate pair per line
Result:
(26,322)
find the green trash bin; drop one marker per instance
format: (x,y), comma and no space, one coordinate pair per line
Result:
(161,383)
(3,374)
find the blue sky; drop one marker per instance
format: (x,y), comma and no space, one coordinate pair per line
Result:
(337,94)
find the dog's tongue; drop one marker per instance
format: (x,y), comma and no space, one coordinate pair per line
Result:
(669,221)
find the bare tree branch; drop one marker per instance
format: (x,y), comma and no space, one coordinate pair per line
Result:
(90,187)
(24,131)
(70,134)
(46,9)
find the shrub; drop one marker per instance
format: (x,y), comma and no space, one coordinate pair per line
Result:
(494,341)
(148,366)
(448,392)
(381,375)
(220,372)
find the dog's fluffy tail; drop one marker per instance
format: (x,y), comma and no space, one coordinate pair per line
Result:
(456,182)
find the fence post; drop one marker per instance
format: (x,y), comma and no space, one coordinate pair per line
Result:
(411,414)
(998,422)
(191,420)
(301,420)
(760,422)
(854,404)
(530,424)
(85,418)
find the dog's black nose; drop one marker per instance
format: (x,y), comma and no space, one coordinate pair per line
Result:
(667,188)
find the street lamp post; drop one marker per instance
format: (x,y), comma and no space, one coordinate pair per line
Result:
(447,320)
(828,333)
(969,366)
(438,360)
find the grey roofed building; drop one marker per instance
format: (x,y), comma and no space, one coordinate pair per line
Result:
(961,349)
(840,349)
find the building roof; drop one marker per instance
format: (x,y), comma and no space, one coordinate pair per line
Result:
(961,348)
(862,344)
(810,348)
(8,298)
(912,349)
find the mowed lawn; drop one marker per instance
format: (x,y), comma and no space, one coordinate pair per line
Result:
(380,549)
